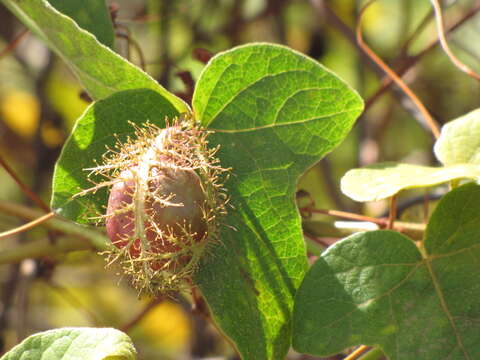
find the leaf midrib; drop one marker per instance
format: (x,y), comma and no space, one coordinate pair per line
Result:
(444,307)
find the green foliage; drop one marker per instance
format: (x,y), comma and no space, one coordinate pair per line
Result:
(458,148)
(103,124)
(91,15)
(382,180)
(74,343)
(459,142)
(275,113)
(262,254)
(380,288)
(100,70)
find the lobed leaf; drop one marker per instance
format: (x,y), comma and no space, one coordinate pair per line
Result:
(378,288)
(101,71)
(382,180)
(274,113)
(73,344)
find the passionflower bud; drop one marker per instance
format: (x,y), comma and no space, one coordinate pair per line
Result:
(165,204)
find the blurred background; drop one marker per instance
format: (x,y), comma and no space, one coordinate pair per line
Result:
(40,101)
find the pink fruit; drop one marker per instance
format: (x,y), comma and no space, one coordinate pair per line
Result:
(171,206)
(164,205)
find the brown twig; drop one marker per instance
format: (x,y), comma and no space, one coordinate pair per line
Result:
(323,9)
(444,43)
(398,81)
(411,61)
(26,190)
(330,183)
(320,241)
(136,45)
(345,215)
(27,226)
(393,212)
(93,237)
(358,352)
(426,206)
(14,43)
(423,23)
(129,325)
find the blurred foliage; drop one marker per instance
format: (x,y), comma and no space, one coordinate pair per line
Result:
(40,100)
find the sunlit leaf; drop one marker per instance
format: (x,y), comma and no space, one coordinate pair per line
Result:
(275,113)
(458,148)
(74,343)
(459,141)
(382,180)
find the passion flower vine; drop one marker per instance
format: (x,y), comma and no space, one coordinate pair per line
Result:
(165,204)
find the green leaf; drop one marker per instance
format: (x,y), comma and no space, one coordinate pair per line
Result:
(274,113)
(74,343)
(378,288)
(91,15)
(100,70)
(459,141)
(458,148)
(92,133)
(382,180)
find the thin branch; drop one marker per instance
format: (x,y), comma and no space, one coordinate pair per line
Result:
(40,248)
(423,23)
(14,43)
(345,215)
(319,240)
(330,183)
(413,230)
(426,206)
(323,9)
(393,212)
(411,61)
(26,190)
(357,353)
(136,45)
(444,43)
(128,326)
(398,81)
(27,226)
(94,238)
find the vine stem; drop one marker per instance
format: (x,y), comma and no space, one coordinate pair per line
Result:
(414,230)
(41,248)
(92,237)
(443,42)
(358,352)
(411,61)
(397,79)
(344,215)
(133,322)
(393,212)
(14,43)
(26,190)
(27,226)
